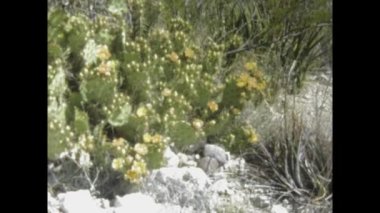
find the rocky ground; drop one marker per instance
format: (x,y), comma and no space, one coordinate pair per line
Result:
(186,184)
(217,182)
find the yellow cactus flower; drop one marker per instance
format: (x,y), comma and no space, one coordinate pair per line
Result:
(213,106)
(138,156)
(140,149)
(250,66)
(189,53)
(118,142)
(141,112)
(139,167)
(132,176)
(173,57)
(253,138)
(251,134)
(166,92)
(157,138)
(118,163)
(197,123)
(252,83)
(128,160)
(258,73)
(103,53)
(242,80)
(261,86)
(147,138)
(104,69)
(136,172)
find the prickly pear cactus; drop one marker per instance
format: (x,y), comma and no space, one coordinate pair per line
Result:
(122,89)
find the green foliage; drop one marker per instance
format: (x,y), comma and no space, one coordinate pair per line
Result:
(59,138)
(183,134)
(120,117)
(81,123)
(154,158)
(232,95)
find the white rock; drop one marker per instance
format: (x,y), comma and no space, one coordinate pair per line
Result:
(78,202)
(171,158)
(53,204)
(186,160)
(239,198)
(216,152)
(104,203)
(135,203)
(191,163)
(220,186)
(182,157)
(169,208)
(208,164)
(235,165)
(278,209)
(260,201)
(234,202)
(185,186)
(196,175)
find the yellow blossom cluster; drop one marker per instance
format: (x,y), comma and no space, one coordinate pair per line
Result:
(105,68)
(173,57)
(140,149)
(250,66)
(189,53)
(213,106)
(103,53)
(155,139)
(251,135)
(141,111)
(86,142)
(120,145)
(197,124)
(251,79)
(118,164)
(166,92)
(132,165)
(136,172)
